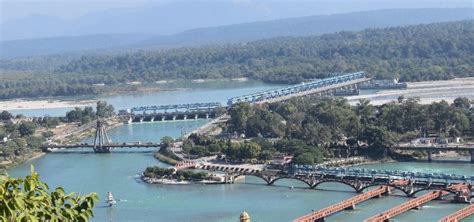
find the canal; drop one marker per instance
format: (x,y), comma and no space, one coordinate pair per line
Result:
(119,173)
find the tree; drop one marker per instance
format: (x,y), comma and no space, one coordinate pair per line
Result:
(74,115)
(462,103)
(5,116)
(364,110)
(304,158)
(249,150)
(167,141)
(34,142)
(378,138)
(27,129)
(28,199)
(104,110)
(240,114)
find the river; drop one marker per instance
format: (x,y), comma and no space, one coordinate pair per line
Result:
(118,173)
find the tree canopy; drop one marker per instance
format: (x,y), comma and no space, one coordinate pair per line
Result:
(305,125)
(28,199)
(414,53)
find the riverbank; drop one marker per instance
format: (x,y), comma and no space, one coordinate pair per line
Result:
(65,136)
(72,133)
(164,158)
(5,165)
(427,91)
(137,88)
(178,182)
(20,104)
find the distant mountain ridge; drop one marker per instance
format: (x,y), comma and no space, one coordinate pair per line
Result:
(66,44)
(300,26)
(311,25)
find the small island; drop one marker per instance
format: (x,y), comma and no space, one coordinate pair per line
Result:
(160,175)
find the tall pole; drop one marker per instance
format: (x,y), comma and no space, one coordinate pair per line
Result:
(101,138)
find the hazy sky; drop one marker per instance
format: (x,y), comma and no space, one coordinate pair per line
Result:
(66,9)
(71,9)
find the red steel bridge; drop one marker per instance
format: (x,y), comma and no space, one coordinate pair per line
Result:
(370,184)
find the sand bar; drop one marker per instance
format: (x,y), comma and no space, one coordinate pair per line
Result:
(43,104)
(427,91)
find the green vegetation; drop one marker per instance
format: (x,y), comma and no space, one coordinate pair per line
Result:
(170,173)
(309,128)
(28,199)
(21,136)
(87,114)
(164,154)
(256,149)
(20,140)
(414,53)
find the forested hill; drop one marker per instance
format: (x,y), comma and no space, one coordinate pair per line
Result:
(413,53)
(298,26)
(422,52)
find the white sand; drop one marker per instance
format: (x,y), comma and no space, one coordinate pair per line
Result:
(428,92)
(43,104)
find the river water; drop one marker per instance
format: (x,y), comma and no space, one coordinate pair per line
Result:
(118,173)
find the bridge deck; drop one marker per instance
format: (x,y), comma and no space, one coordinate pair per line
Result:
(459,215)
(187,107)
(185,164)
(385,216)
(346,204)
(313,87)
(434,148)
(77,146)
(314,91)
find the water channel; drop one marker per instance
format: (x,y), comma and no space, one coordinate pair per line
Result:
(118,172)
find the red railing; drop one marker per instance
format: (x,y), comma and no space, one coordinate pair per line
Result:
(349,203)
(385,216)
(459,215)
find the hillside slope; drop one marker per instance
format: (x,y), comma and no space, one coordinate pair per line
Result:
(299,26)
(413,53)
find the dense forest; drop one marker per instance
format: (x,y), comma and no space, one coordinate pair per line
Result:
(311,128)
(414,53)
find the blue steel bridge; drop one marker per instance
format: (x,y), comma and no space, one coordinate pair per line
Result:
(171,112)
(322,87)
(319,87)
(310,169)
(192,107)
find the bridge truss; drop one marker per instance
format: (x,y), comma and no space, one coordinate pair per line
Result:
(191,107)
(303,89)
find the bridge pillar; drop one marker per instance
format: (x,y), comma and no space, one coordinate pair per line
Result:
(463,196)
(322,219)
(472,156)
(352,207)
